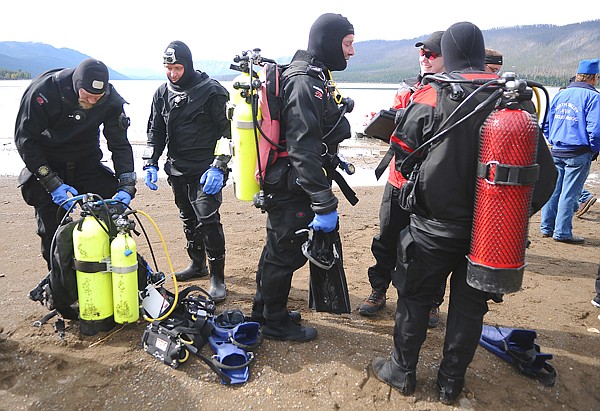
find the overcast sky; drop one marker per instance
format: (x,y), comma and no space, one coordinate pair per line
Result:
(129,34)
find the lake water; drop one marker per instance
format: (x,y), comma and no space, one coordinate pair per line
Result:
(138,93)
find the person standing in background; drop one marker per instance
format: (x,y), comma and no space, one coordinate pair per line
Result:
(188,118)
(573,131)
(586,199)
(493,61)
(392,218)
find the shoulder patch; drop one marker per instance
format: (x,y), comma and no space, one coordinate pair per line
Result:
(318,92)
(41,99)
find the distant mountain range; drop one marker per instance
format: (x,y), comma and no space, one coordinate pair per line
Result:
(545,53)
(36,58)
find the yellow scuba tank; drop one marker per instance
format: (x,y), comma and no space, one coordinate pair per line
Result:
(123,255)
(244,146)
(94,285)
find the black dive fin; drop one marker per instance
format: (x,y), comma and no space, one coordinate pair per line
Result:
(328,290)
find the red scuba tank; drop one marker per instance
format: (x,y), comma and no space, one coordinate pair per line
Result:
(507,171)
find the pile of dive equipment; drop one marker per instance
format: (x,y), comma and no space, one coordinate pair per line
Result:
(254,113)
(506,173)
(98,278)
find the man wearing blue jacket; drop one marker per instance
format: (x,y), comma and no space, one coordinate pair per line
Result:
(573,130)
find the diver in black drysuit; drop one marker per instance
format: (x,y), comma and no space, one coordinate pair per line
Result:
(439,235)
(188,117)
(59,141)
(297,190)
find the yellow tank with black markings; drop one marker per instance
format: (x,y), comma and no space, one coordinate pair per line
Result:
(123,255)
(244,137)
(91,249)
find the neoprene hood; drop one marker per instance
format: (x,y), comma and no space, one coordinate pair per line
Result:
(177,52)
(463,48)
(325,40)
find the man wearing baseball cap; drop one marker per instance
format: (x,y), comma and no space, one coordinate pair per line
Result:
(573,130)
(392,218)
(57,136)
(432,43)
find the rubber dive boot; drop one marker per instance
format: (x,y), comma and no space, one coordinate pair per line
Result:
(295,316)
(198,267)
(217,290)
(287,330)
(449,388)
(389,372)
(257,312)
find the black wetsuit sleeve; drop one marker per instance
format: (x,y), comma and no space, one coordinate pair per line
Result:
(38,106)
(218,112)
(303,110)
(156,130)
(115,132)
(416,127)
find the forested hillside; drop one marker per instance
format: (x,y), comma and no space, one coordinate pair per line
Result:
(545,53)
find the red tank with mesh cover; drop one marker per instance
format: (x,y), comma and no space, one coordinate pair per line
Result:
(507,172)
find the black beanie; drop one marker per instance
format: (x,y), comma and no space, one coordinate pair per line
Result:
(177,52)
(325,40)
(91,75)
(463,48)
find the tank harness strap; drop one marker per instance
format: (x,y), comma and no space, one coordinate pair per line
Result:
(124,270)
(92,267)
(504,174)
(345,188)
(384,163)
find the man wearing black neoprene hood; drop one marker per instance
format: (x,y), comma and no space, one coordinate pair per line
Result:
(433,247)
(188,118)
(298,193)
(57,134)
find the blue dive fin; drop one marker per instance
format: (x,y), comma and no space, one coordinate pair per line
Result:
(518,347)
(231,360)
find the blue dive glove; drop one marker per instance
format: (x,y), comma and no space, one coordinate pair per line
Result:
(151,178)
(59,196)
(212,180)
(123,197)
(325,222)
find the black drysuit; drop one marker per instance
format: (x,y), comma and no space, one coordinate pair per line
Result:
(296,187)
(438,239)
(188,123)
(53,130)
